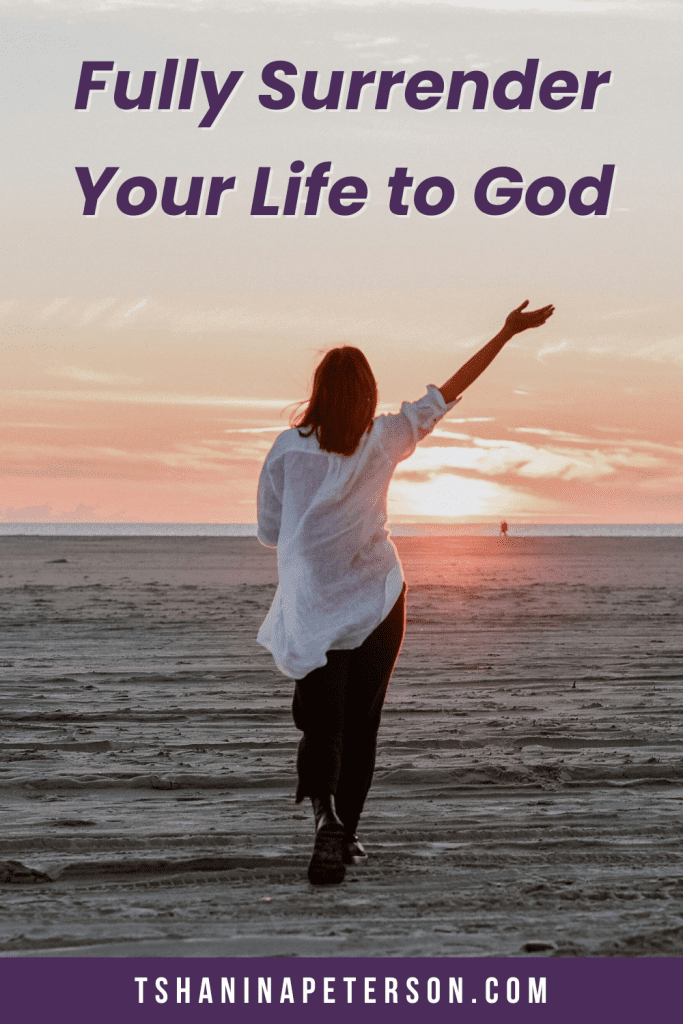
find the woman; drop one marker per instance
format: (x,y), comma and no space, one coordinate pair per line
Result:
(338,616)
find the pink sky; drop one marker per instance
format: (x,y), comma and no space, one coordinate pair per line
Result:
(146,363)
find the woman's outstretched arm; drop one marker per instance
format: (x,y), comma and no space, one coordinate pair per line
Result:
(516,322)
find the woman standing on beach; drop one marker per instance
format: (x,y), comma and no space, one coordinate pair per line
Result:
(338,616)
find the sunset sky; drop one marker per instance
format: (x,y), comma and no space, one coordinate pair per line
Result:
(147,362)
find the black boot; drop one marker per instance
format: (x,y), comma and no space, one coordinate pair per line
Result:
(327,865)
(325,811)
(354,851)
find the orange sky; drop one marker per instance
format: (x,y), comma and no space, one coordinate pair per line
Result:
(146,362)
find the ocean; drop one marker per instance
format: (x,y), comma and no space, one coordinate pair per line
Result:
(397,529)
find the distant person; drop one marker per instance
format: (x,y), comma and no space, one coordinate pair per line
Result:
(503,529)
(337,619)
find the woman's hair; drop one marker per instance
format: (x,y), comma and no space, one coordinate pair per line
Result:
(342,403)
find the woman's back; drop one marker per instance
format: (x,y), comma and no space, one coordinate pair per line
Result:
(339,571)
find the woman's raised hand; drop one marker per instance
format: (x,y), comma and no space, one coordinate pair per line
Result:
(516,322)
(520,321)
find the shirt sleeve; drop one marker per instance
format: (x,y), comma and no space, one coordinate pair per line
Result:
(269,501)
(403,430)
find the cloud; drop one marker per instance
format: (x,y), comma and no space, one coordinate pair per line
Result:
(470,419)
(623,442)
(148,398)
(615,430)
(52,308)
(139,305)
(512,459)
(499,458)
(502,460)
(554,435)
(661,351)
(550,350)
(206,456)
(94,310)
(254,430)
(94,376)
(27,514)
(44,514)
(38,426)
(476,477)
(665,9)
(450,434)
(359,40)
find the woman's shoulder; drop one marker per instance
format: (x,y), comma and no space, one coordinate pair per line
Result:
(431,399)
(293,440)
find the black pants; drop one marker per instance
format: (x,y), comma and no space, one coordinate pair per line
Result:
(338,708)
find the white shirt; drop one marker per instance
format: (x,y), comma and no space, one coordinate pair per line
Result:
(339,571)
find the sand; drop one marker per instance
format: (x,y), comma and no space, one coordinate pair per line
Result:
(529,786)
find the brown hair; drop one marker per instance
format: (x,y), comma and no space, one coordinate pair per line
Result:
(342,403)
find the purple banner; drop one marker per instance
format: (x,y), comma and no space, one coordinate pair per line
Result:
(137,990)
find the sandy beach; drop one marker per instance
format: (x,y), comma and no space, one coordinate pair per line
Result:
(529,785)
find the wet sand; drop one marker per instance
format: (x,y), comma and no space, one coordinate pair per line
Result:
(529,788)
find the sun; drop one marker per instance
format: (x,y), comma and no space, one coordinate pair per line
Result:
(447,496)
